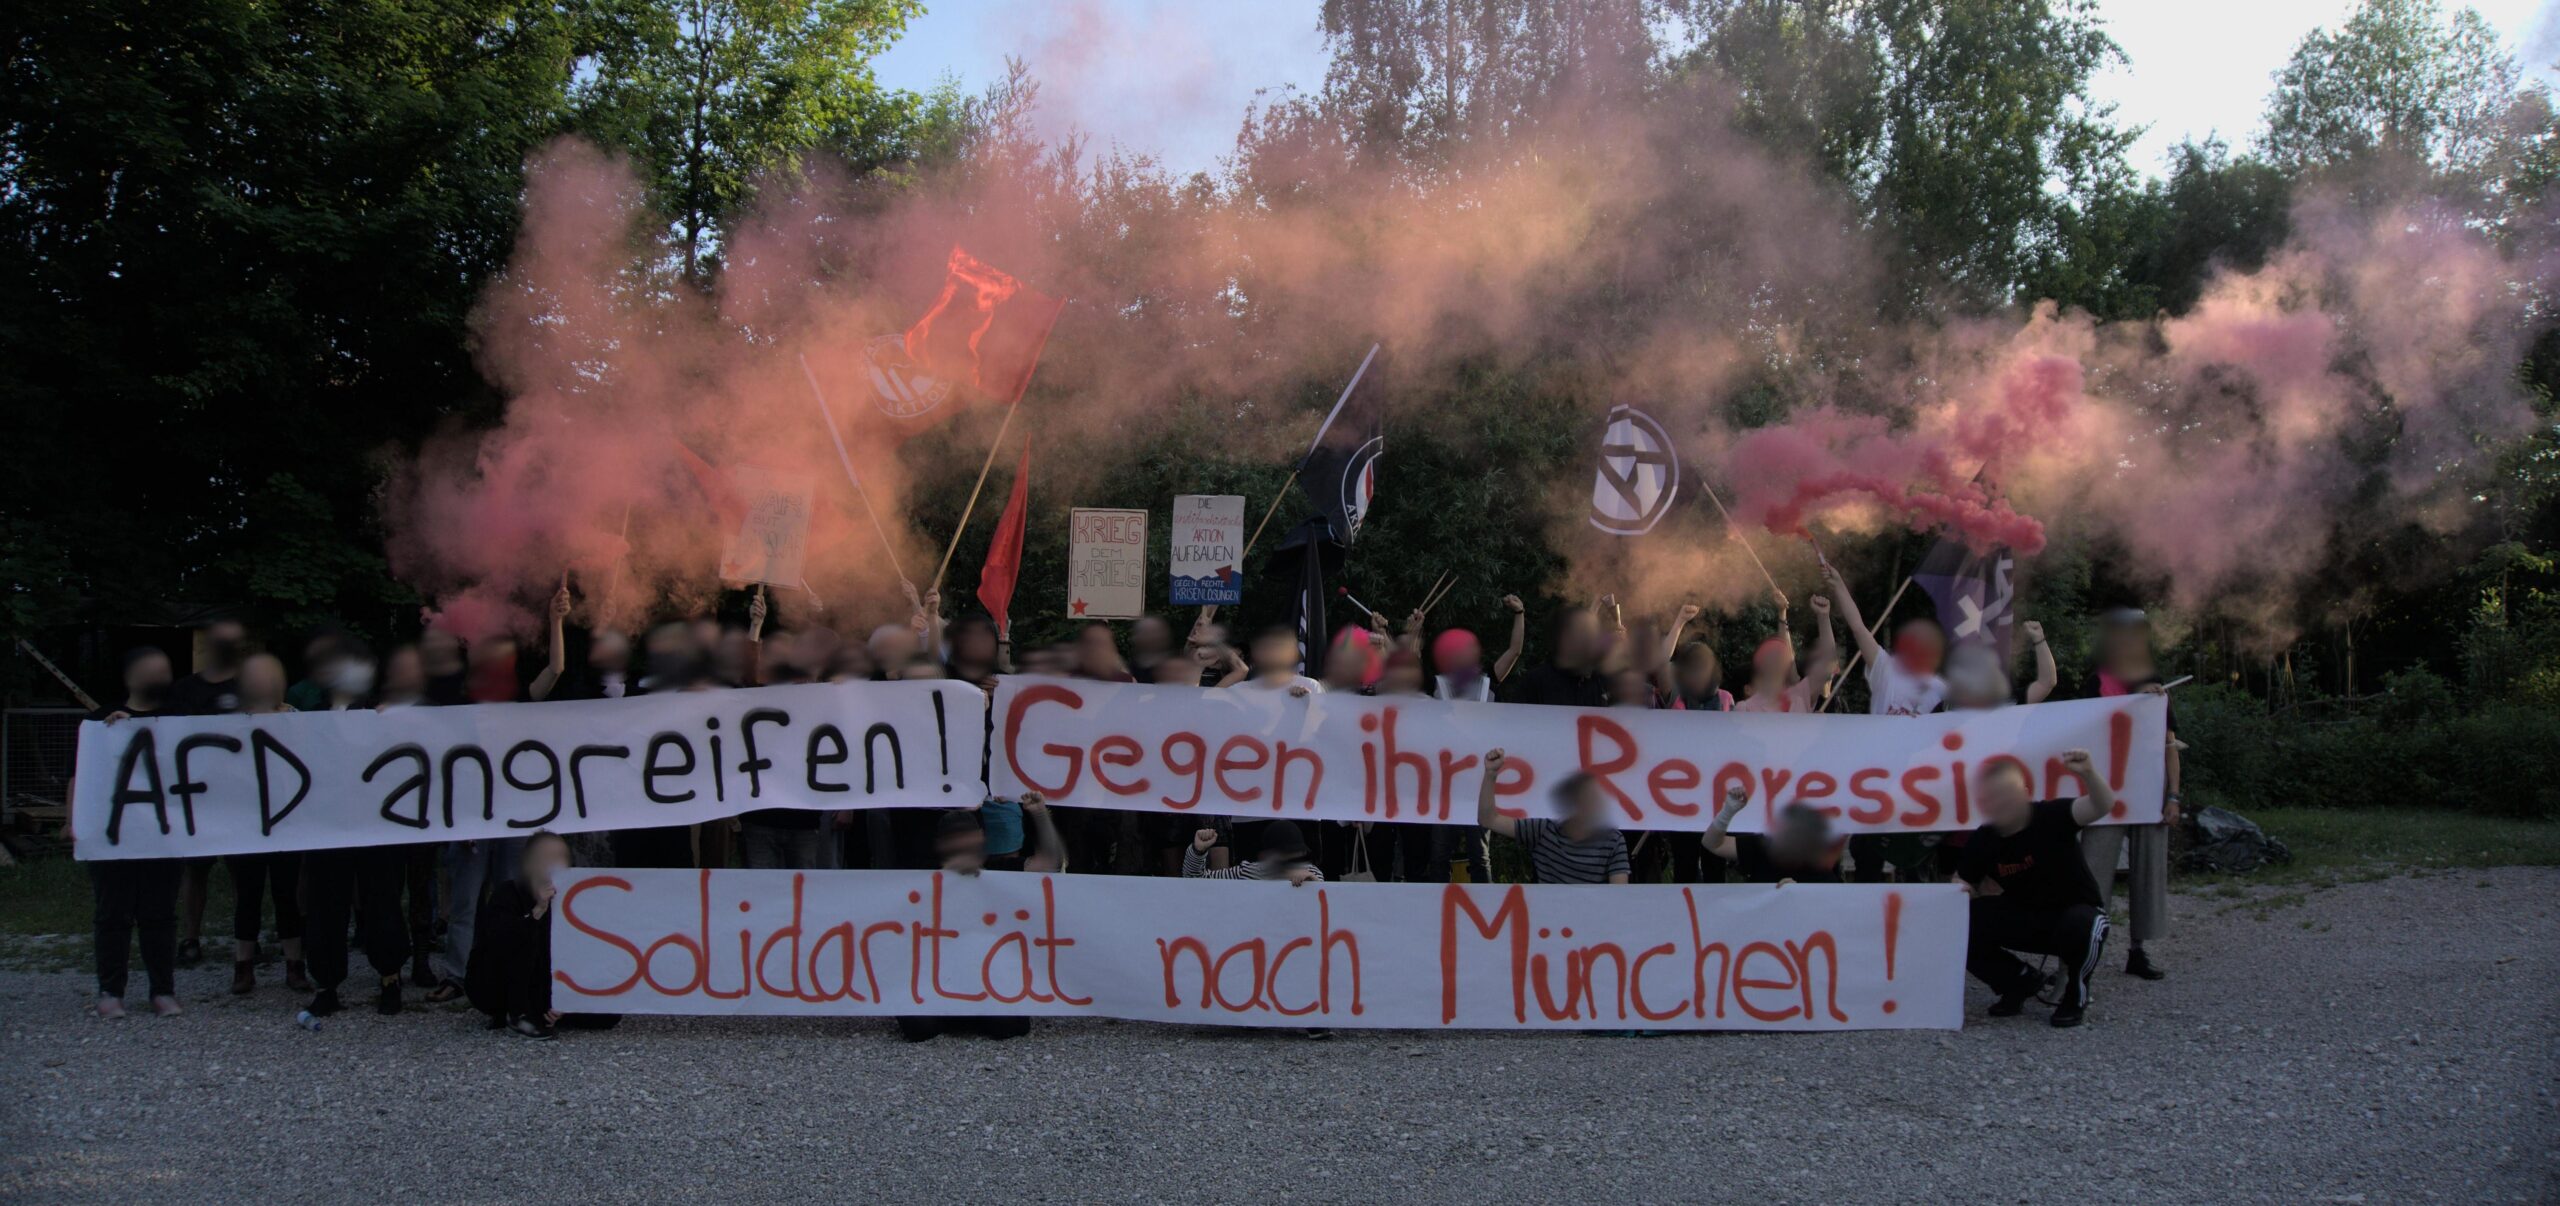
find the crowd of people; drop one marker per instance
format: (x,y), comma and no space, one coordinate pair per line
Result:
(466,919)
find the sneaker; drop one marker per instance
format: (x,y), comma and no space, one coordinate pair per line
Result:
(294,977)
(2014,1002)
(388,1002)
(2066,1016)
(2139,964)
(166,1006)
(1318,1034)
(190,952)
(323,1003)
(244,977)
(109,1007)
(532,1029)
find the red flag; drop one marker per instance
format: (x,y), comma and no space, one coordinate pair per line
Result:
(1004,556)
(716,489)
(986,329)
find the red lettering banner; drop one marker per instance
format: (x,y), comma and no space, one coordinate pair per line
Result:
(1423,956)
(1248,751)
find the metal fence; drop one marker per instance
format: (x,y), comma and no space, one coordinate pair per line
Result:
(36,749)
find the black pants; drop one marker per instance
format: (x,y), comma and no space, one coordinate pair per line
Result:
(2077,934)
(366,882)
(136,894)
(917,1030)
(276,875)
(1867,851)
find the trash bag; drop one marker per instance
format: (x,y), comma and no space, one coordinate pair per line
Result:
(2226,841)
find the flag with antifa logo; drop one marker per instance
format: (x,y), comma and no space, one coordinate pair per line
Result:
(986,329)
(1975,593)
(1639,474)
(1340,471)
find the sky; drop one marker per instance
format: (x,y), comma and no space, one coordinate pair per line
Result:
(1172,78)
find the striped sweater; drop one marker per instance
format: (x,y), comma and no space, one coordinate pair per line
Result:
(1195,865)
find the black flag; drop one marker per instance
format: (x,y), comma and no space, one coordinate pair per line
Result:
(1340,471)
(1299,567)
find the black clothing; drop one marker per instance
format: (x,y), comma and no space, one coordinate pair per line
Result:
(1752,856)
(2040,867)
(510,973)
(194,695)
(366,882)
(279,876)
(1998,925)
(1548,684)
(136,894)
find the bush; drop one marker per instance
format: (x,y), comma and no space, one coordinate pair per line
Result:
(2412,749)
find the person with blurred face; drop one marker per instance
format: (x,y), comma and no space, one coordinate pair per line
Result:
(493,670)
(977,650)
(2126,666)
(448,676)
(1902,681)
(852,663)
(1775,686)
(1697,680)
(892,646)
(2031,889)
(1270,662)
(1630,688)
(1402,675)
(1581,847)
(1796,850)
(510,972)
(1571,676)
(133,897)
(1098,655)
(404,679)
(1151,650)
(361,882)
(474,866)
(276,875)
(404,685)
(960,848)
(1350,664)
(214,689)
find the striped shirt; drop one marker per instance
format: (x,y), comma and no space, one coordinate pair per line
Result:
(1557,859)
(1195,865)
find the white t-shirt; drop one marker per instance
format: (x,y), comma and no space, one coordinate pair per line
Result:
(1797,697)
(1282,684)
(1894,691)
(1476,690)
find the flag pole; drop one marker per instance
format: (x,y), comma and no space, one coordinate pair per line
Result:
(1731,529)
(1283,492)
(963,526)
(1831,690)
(846,460)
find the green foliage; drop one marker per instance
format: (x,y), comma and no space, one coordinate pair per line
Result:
(2415,750)
(2396,81)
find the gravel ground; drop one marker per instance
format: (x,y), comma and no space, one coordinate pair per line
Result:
(2376,1042)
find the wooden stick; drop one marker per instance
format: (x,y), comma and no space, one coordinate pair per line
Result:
(58,675)
(1210,612)
(1735,532)
(1439,590)
(965,511)
(845,459)
(1832,691)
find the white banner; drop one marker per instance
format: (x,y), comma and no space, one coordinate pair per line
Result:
(1421,956)
(1238,751)
(191,786)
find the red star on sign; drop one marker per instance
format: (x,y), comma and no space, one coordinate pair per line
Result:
(1079,607)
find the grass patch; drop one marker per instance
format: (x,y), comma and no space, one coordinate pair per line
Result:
(2355,845)
(51,896)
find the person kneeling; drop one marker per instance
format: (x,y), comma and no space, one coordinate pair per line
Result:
(509,977)
(2031,889)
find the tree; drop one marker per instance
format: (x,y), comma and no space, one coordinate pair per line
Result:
(2397,82)
(710,94)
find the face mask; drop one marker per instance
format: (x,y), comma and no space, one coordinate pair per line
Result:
(351,678)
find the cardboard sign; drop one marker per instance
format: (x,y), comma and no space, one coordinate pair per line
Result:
(1408,956)
(1208,550)
(187,786)
(1107,564)
(772,541)
(1248,752)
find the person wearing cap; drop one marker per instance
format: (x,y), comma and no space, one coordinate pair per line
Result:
(2126,666)
(1283,855)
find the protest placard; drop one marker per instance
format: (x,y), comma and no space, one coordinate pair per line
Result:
(189,786)
(1107,564)
(1363,758)
(772,540)
(1206,561)
(1408,956)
